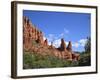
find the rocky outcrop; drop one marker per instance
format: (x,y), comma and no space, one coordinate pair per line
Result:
(75,56)
(63,45)
(33,42)
(69,47)
(40,37)
(30,33)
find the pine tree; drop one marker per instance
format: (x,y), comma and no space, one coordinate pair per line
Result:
(88,45)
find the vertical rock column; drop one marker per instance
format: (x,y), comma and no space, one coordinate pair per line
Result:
(40,37)
(27,33)
(69,47)
(63,45)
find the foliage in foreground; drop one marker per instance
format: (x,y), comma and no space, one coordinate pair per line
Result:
(33,60)
(85,59)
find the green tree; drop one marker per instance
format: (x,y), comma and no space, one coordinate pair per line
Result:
(85,57)
(88,45)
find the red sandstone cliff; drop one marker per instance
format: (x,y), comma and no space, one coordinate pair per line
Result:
(33,42)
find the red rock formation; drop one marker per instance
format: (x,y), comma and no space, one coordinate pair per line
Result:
(40,37)
(69,47)
(33,41)
(75,56)
(30,33)
(63,45)
(26,33)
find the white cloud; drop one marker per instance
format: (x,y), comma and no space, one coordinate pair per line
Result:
(82,42)
(66,43)
(76,44)
(44,38)
(57,43)
(62,34)
(49,43)
(57,40)
(50,37)
(53,38)
(66,31)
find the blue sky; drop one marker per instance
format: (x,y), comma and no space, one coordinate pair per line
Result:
(73,27)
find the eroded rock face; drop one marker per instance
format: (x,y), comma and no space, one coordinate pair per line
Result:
(33,42)
(69,47)
(40,37)
(30,33)
(75,56)
(63,45)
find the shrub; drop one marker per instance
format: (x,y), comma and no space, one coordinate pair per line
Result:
(34,60)
(85,59)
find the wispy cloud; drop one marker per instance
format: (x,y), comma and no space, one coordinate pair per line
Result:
(44,37)
(65,32)
(75,44)
(62,34)
(80,43)
(51,38)
(56,39)
(57,43)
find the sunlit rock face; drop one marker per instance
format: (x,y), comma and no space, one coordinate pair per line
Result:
(33,42)
(31,33)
